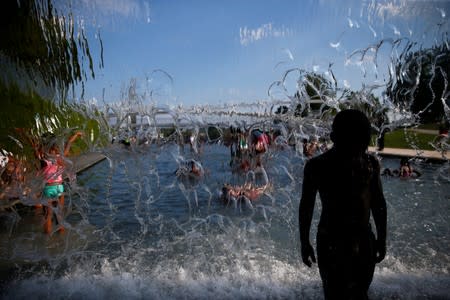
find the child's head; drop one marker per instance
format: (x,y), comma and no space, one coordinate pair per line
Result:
(404,162)
(50,144)
(351,130)
(53,149)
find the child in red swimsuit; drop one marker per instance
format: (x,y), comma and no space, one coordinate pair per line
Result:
(52,167)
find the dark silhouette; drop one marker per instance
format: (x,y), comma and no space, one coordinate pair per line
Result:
(349,185)
(380,140)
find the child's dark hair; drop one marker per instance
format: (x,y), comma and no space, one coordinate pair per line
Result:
(48,140)
(404,161)
(351,127)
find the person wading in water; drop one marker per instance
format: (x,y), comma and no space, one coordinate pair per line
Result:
(348,181)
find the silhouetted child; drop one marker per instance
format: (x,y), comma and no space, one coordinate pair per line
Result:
(348,181)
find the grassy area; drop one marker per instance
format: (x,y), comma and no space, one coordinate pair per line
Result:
(404,139)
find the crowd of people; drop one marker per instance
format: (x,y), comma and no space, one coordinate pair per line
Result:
(247,149)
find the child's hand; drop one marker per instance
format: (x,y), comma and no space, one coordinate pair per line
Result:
(76,135)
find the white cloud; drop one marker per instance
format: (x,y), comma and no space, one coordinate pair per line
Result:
(390,9)
(248,35)
(124,8)
(410,9)
(346,83)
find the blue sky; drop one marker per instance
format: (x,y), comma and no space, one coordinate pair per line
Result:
(231,51)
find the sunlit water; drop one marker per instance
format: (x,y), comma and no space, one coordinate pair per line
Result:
(137,231)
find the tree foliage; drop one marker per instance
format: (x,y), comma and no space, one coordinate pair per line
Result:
(314,90)
(420,82)
(43,53)
(369,104)
(30,113)
(44,44)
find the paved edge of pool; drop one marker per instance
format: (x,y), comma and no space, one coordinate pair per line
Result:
(425,154)
(85,161)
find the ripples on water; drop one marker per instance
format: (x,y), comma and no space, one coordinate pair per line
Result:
(136,231)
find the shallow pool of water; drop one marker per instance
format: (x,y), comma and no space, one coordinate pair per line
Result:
(137,231)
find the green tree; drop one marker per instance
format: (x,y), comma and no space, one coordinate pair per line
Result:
(43,54)
(420,82)
(43,48)
(313,94)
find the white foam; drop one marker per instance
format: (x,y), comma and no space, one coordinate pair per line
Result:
(244,276)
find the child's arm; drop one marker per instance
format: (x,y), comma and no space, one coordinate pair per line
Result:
(306,210)
(378,208)
(70,141)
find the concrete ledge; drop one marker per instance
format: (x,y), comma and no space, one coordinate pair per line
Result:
(426,154)
(85,161)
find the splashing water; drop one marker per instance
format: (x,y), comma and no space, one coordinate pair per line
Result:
(140,226)
(137,230)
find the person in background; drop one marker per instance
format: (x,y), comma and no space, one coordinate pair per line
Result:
(404,171)
(383,129)
(195,168)
(441,140)
(310,148)
(380,138)
(260,141)
(304,146)
(12,177)
(247,190)
(347,179)
(191,168)
(52,168)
